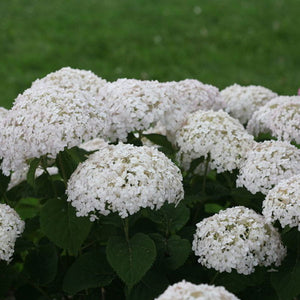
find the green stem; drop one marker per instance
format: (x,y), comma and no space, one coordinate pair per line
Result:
(199,205)
(126,229)
(214,278)
(205,174)
(61,167)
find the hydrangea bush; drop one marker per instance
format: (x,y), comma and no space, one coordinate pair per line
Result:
(148,190)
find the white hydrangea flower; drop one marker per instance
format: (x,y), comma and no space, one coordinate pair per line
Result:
(214,133)
(46,119)
(237,238)
(73,79)
(184,97)
(133,105)
(21,175)
(283,203)
(11,227)
(188,291)
(280,117)
(3,113)
(242,101)
(267,164)
(124,178)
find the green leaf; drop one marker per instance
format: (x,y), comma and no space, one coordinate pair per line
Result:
(31,172)
(160,140)
(131,260)
(60,224)
(286,280)
(151,286)
(170,218)
(28,208)
(172,252)
(4,181)
(68,160)
(41,264)
(90,270)
(212,208)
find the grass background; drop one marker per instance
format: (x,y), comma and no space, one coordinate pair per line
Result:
(216,41)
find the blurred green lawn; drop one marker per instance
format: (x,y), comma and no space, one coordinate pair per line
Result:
(216,41)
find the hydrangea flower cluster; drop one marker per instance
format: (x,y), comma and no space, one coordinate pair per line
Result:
(283,203)
(73,79)
(124,178)
(214,133)
(3,113)
(44,120)
(280,117)
(188,291)
(267,164)
(184,97)
(11,227)
(133,105)
(237,238)
(242,101)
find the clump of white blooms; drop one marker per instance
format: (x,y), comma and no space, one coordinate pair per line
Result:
(44,120)
(3,113)
(184,97)
(124,178)
(283,203)
(280,117)
(242,101)
(267,164)
(20,175)
(188,291)
(237,238)
(216,134)
(93,145)
(11,227)
(73,79)
(133,105)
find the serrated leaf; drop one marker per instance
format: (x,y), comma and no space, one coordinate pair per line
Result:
(68,160)
(169,217)
(172,252)
(131,260)
(60,224)
(41,264)
(28,208)
(31,172)
(212,208)
(90,270)
(286,280)
(160,140)
(4,181)
(151,286)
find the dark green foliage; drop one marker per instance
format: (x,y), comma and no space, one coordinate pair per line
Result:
(60,255)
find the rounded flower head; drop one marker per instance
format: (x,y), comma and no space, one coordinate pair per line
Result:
(3,113)
(11,227)
(185,97)
(283,203)
(242,101)
(43,121)
(133,105)
(280,117)
(73,79)
(214,133)
(267,164)
(187,291)
(123,179)
(237,238)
